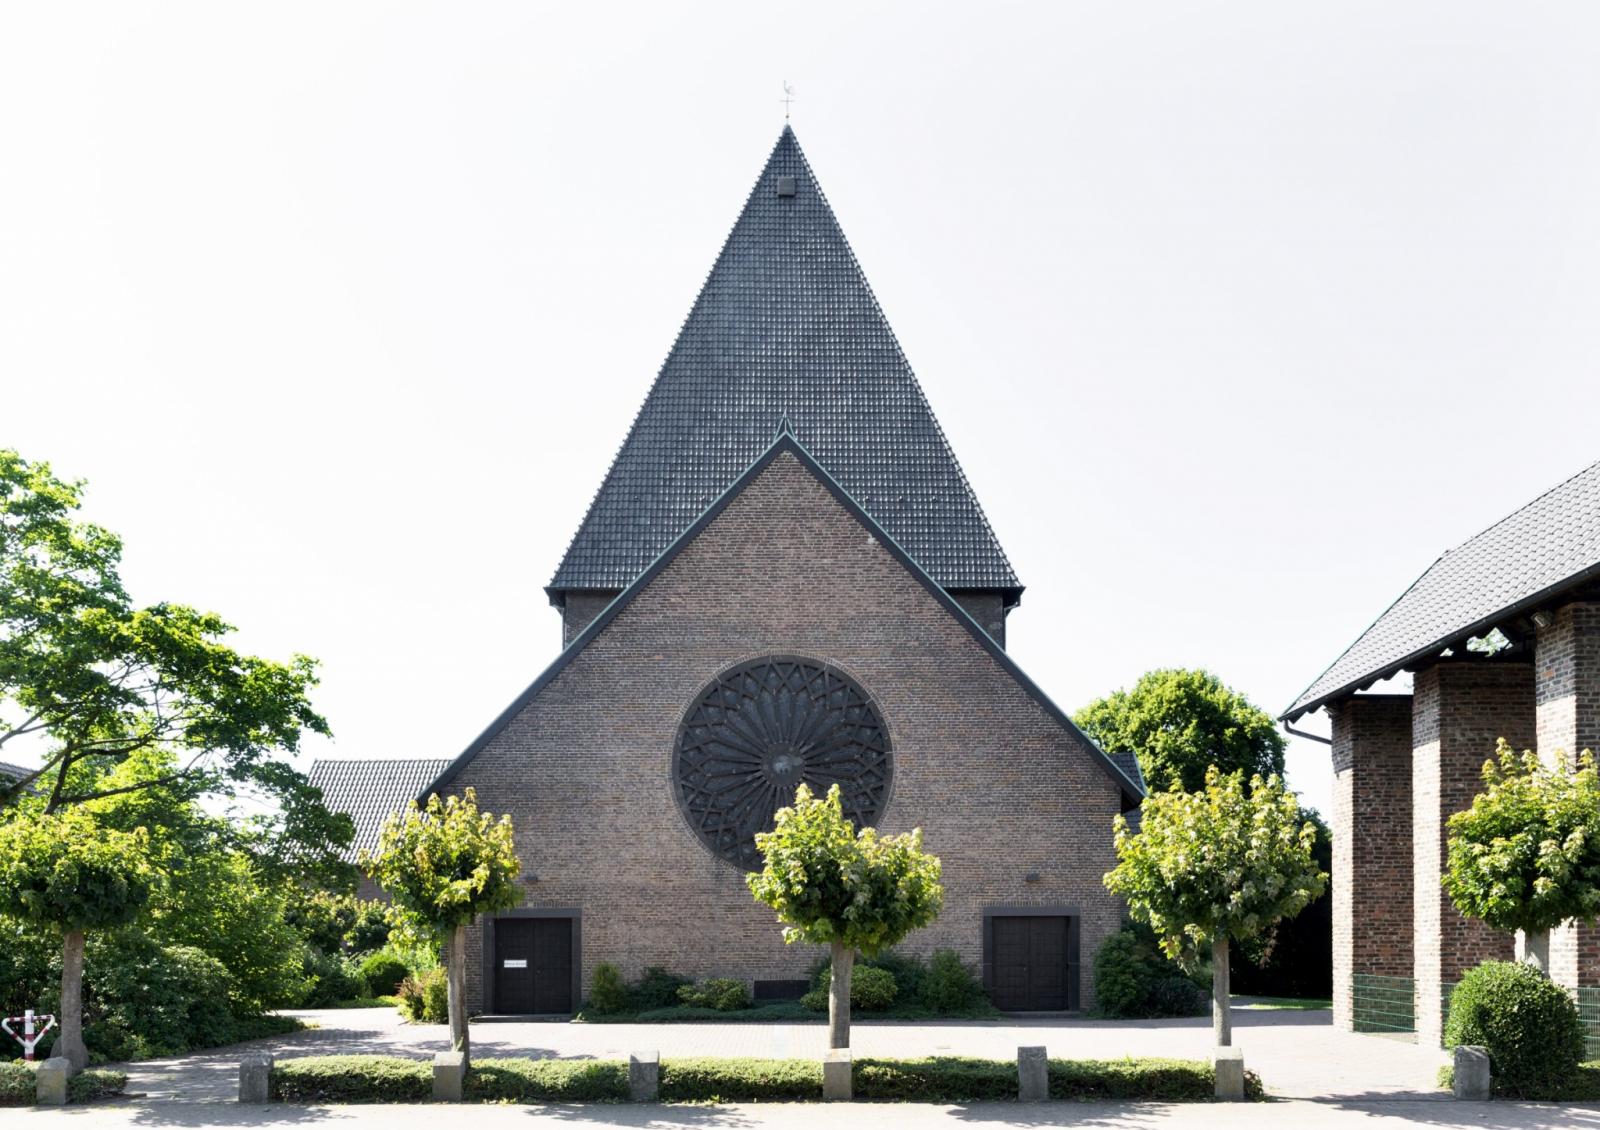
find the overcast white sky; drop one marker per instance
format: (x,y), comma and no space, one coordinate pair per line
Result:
(1237,314)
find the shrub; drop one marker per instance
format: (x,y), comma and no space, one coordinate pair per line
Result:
(607,993)
(383,973)
(17,1085)
(1164,1080)
(145,1000)
(721,993)
(1133,979)
(951,985)
(1527,1022)
(872,989)
(546,1081)
(369,931)
(656,989)
(331,979)
(816,1000)
(949,1079)
(352,1079)
(425,998)
(740,1080)
(909,972)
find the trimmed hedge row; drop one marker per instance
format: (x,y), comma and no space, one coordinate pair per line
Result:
(18,1087)
(388,1079)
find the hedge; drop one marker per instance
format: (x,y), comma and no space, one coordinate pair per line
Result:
(1584,1087)
(18,1087)
(384,1079)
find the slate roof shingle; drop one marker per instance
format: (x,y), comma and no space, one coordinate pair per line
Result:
(785,328)
(1549,544)
(369,789)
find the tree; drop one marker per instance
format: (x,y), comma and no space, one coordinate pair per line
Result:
(67,872)
(1526,855)
(1179,722)
(95,679)
(1223,863)
(444,865)
(832,885)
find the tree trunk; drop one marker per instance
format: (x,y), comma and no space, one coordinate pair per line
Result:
(1533,947)
(1221,1016)
(844,959)
(456,970)
(70,1043)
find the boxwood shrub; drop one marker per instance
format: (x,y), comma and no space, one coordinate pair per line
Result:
(546,1081)
(19,1087)
(740,1080)
(1528,1023)
(352,1079)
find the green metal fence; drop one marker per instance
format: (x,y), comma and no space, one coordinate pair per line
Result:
(1384,1004)
(1589,1013)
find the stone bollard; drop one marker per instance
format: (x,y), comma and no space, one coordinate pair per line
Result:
(836,1081)
(449,1073)
(1230,1075)
(1033,1075)
(644,1077)
(255,1079)
(1472,1082)
(50,1081)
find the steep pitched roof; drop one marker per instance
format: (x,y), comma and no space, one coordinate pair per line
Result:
(368,790)
(785,328)
(1132,789)
(1549,545)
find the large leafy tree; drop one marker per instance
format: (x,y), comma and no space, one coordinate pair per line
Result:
(846,889)
(89,679)
(69,873)
(1526,855)
(1208,867)
(1179,723)
(442,866)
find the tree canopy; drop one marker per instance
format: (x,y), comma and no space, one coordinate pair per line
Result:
(1526,855)
(66,871)
(1179,723)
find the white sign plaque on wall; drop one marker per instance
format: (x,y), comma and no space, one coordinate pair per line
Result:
(516,963)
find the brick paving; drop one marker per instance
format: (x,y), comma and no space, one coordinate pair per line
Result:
(1298,1054)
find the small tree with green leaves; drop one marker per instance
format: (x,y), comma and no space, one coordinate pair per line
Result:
(1526,855)
(1208,867)
(67,873)
(846,889)
(444,865)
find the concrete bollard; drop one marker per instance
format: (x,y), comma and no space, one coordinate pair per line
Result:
(1230,1075)
(50,1081)
(1033,1075)
(255,1079)
(836,1078)
(1472,1082)
(449,1074)
(644,1077)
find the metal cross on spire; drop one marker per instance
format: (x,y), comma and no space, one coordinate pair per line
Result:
(788,97)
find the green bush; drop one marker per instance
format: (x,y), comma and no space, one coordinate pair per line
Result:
(546,1081)
(1528,1023)
(951,985)
(18,1087)
(872,989)
(352,1079)
(607,994)
(1162,1080)
(1132,978)
(656,989)
(331,978)
(943,986)
(369,929)
(144,1000)
(383,973)
(721,993)
(815,1000)
(425,998)
(740,1080)
(948,1079)
(16,1084)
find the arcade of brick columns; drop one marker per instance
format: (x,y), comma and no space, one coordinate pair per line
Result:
(1402,765)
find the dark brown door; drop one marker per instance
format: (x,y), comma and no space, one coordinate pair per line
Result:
(1034,970)
(532,965)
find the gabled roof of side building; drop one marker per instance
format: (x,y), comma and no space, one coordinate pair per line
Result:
(368,789)
(1132,787)
(1550,545)
(786,329)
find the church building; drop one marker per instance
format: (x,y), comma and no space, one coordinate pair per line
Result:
(784,578)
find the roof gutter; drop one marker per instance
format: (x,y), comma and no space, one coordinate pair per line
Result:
(1307,735)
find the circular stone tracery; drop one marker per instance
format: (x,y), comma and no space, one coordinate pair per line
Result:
(762,729)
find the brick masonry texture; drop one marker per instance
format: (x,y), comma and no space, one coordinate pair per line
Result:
(1459,710)
(987,608)
(581,606)
(999,787)
(1372,856)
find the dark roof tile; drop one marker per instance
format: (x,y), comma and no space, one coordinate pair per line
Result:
(368,790)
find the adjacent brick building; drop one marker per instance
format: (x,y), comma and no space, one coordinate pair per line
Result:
(786,577)
(1502,639)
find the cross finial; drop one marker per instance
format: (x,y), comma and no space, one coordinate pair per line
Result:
(788,97)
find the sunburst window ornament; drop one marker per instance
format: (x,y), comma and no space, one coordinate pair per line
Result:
(762,729)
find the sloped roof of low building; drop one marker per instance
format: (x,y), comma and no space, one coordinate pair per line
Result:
(1550,545)
(786,329)
(369,789)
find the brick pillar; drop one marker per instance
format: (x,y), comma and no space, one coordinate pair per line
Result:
(1371,880)
(1459,709)
(1566,672)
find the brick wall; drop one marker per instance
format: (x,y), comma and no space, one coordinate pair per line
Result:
(578,607)
(999,787)
(1372,860)
(987,608)
(1459,709)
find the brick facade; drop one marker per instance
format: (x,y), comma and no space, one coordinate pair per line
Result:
(1459,709)
(1372,861)
(987,608)
(1016,804)
(578,607)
